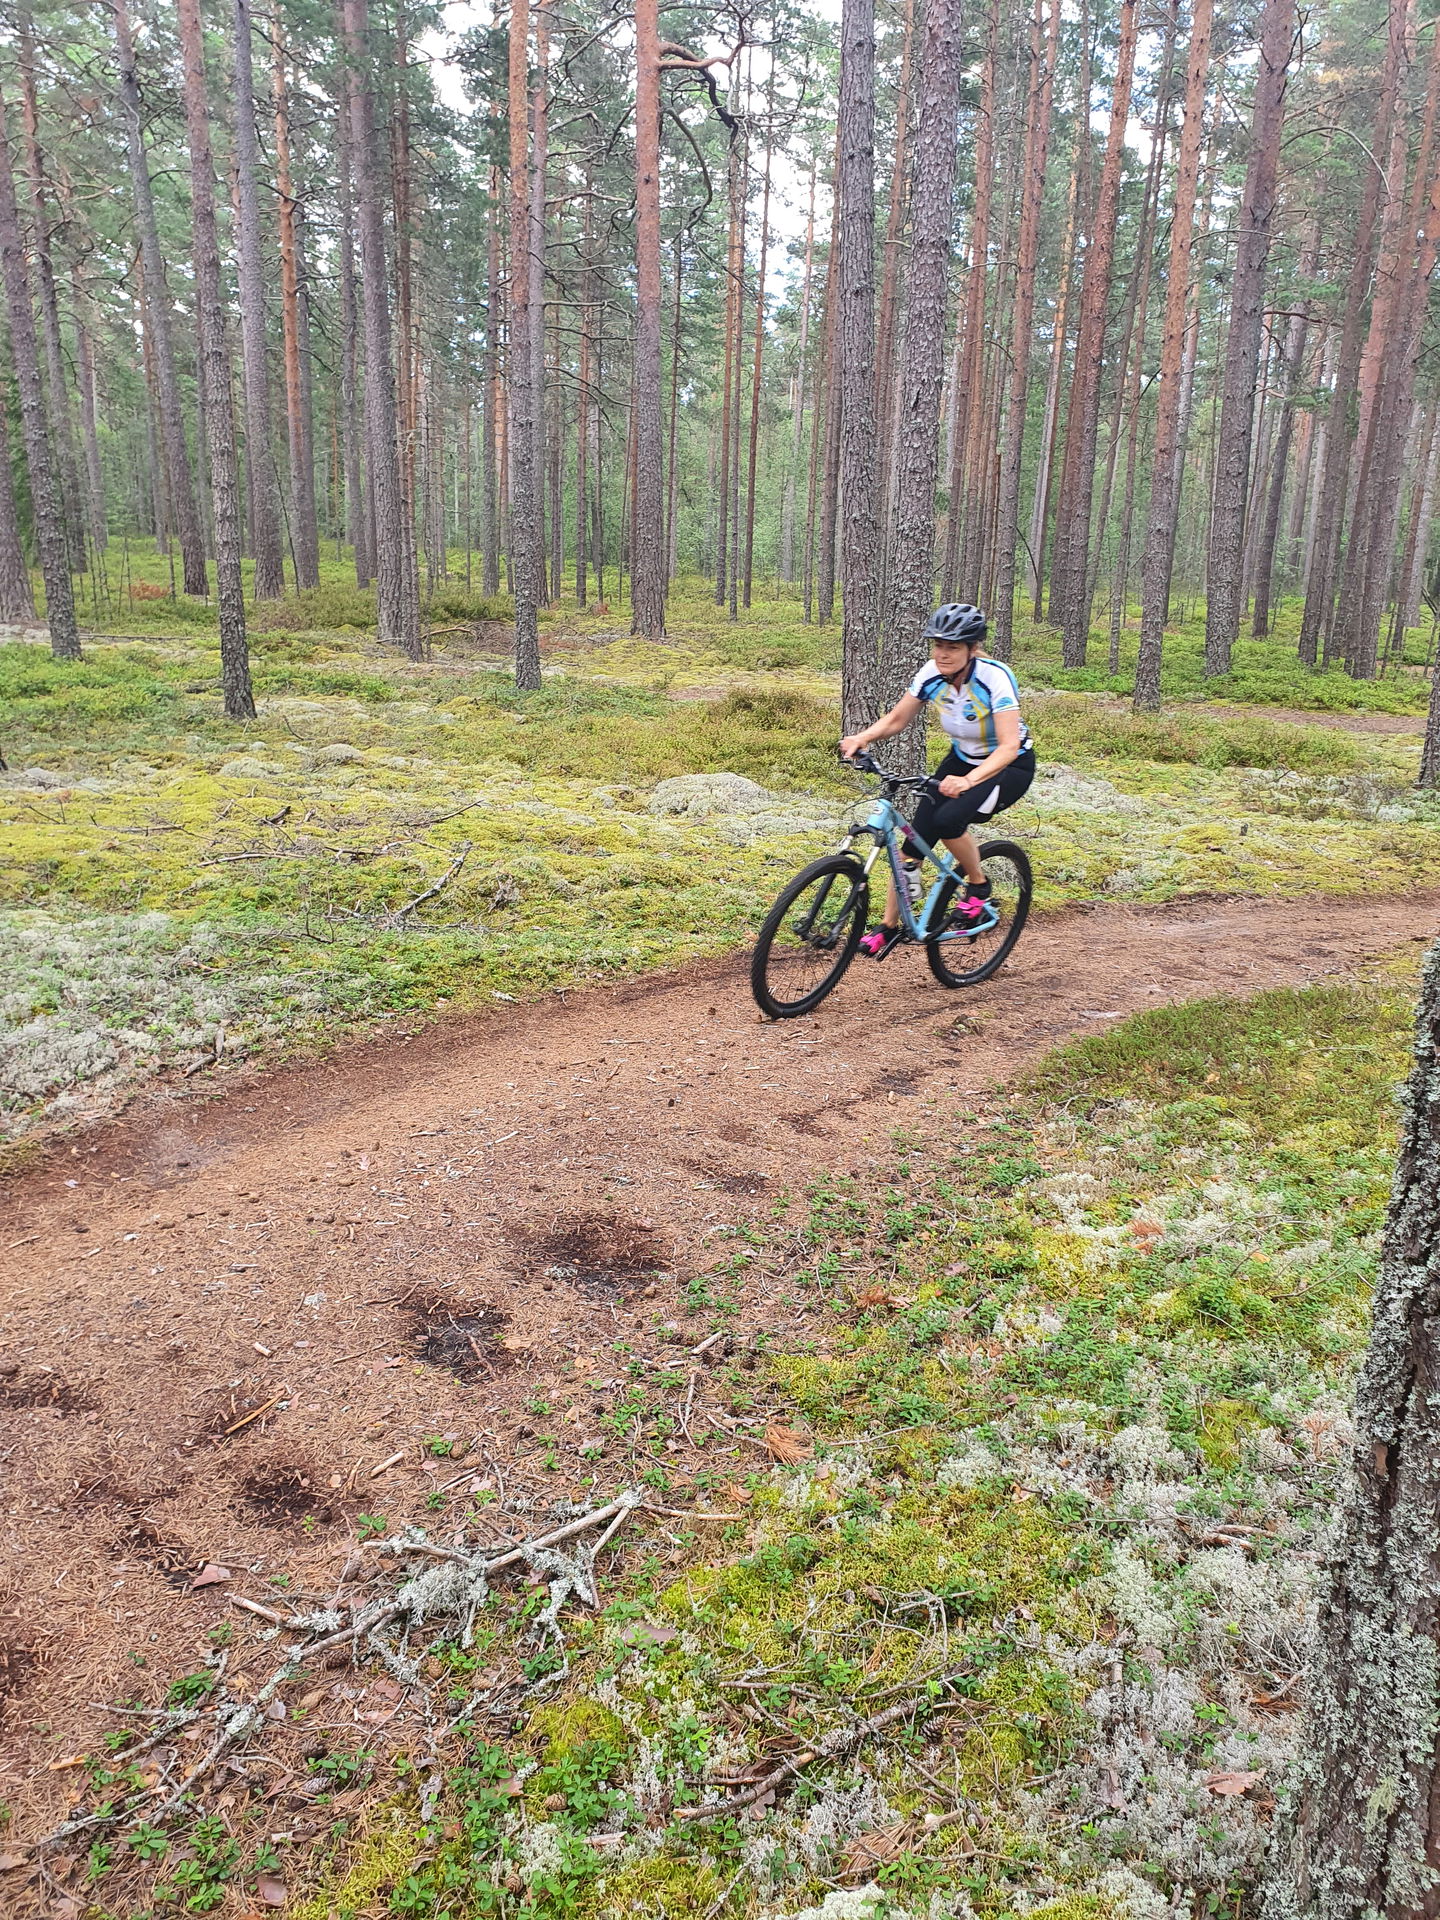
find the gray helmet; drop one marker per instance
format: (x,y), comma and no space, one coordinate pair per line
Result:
(957,622)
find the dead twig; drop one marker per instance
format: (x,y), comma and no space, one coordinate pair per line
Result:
(833,1746)
(437,886)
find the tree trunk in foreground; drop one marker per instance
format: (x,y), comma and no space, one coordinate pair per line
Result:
(861,693)
(255,361)
(1430,754)
(1224,577)
(922,367)
(44,485)
(183,502)
(1361,1827)
(524,527)
(397,602)
(648,570)
(215,371)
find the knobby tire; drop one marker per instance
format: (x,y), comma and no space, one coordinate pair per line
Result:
(787,956)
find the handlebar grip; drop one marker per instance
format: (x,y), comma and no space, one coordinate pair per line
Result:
(863,760)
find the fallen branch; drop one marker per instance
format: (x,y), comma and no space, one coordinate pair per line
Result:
(438,886)
(834,1746)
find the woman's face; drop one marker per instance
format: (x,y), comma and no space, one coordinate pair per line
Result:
(953,656)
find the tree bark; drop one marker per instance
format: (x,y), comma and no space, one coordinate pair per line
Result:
(1358,1835)
(1292,359)
(647,561)
(758,358)
(1069,583)
(1158,559)
(961,515)
(397,600)
(58,396)
(357,502)
(89,418)
(305,527)
(17,596)
(539,169)
(46,504)
(1224,575)
(831,409)
(862,689)
(1327,527)
(798,388)
(183,501)
(1037,147)
(215,371)
(891,274)
(489,478)
(1396,324)
(255,364)
(922,367)
(524,528)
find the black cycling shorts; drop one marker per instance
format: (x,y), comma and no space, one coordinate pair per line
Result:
(939,819)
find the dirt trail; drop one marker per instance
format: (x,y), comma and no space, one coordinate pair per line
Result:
(231,1326)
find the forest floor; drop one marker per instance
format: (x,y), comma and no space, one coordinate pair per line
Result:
(982,1359)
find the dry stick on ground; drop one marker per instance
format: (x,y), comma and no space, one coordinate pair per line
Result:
(844,1740)
(438,886)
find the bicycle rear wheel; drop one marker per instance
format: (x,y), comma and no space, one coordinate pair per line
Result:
(959,959)
(809,936)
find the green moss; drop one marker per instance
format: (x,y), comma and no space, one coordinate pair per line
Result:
(558,1732)
(1223,1426)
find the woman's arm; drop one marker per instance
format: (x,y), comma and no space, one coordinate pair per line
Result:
(896,721)
(1007,734)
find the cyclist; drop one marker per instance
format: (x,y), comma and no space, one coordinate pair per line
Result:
(989,766)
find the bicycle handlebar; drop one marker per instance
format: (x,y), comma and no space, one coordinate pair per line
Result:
(866,763)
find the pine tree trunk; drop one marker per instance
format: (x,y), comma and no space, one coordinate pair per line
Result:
(1050,419)
(1399,317)
(489,478)
(1359,1833)
(797,417)
(672,447)
(1070,578)
(833,411)
(89,419)
(960,518)
(1037,146)
(1224,575)
(757,362)
(732,373)
(1418,537)
(183,500)
(1429,775)
(862,689)
(539,170)
(260,460)
(305,527)
(1327,528)
(892,272)
(922,367)
(357,504)
(1158,558)
(647,563)
(583,404)
(215,366)
(397,600)
(17,597)
(46,505)
(58,394)
(524,526)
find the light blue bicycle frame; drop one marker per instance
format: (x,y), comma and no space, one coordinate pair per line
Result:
(887,823)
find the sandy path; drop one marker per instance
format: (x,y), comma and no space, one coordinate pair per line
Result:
(458,1234)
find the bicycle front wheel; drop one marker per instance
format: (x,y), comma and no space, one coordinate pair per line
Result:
(809,937)
(961,959)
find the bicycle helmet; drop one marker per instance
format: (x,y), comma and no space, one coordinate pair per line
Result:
(959,623)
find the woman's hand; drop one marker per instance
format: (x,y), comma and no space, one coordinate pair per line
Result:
(852,744)
(953,785)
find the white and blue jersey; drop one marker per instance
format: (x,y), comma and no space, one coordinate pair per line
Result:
(967,712)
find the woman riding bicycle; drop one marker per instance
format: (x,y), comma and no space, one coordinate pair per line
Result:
(989,766)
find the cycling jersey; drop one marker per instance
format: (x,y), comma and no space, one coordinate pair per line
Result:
(967,711)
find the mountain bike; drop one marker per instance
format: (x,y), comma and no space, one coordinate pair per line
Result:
(809,936)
